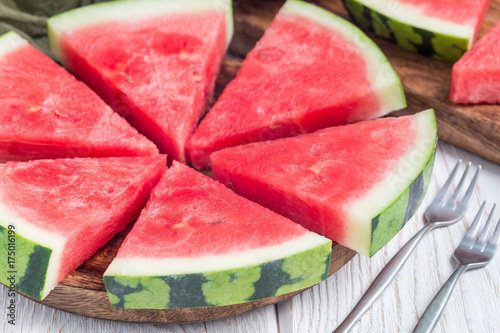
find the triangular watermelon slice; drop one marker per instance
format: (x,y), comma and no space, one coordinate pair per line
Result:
(54,214)
(47,113)
(476,76)
(199,244)
(356,184)
(310,70)
(154,61)
(441,29)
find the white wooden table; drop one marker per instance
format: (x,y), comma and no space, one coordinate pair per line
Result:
(474,306)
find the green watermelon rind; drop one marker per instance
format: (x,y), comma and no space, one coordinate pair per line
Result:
(388,223)
(219,288)
(29,260)
(385,81)
(434,44)
(11,41)
(123,10)
(380,214)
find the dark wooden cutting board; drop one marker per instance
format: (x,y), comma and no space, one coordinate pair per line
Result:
(426,83)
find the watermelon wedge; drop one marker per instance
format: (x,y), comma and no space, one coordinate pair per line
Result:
(54,214)
(310,70)
(476,76)
(356,184)
(47,113)
(198,244)
(441,29)
(154,61)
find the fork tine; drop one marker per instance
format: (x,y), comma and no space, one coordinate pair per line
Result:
(442,193)
(492,244)
(471,233)
(468,195)
(455,193)
(484,234)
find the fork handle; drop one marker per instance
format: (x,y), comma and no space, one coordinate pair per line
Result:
(431,315)
(383,279)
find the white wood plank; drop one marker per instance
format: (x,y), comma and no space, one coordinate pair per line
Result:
(475,304)
(33,317)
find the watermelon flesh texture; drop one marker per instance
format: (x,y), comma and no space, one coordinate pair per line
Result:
(199,244)
(63,210)
(47,113)
(476,76)
(310,70)
(158,71)
(439,29)
(356,184)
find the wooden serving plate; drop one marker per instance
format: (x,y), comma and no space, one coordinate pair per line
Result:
(426,83)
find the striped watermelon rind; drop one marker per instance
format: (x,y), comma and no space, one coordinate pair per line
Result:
(403,188)
(371,225)
(195,288)
(441,45)
(388,223)
(29,260)
(33,262)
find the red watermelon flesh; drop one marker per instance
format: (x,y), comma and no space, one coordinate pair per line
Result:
(197,243)
(47,113)
(158,71)
(187,207)
(64,210)
(476,76)
(463,12)
(310,70)
(342,182)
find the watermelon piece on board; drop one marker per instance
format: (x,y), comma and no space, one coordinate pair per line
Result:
(47,113)
(154,61)
(476,76)
(54,214)
(441,29)
(356,184)
(199,244)
(311,70)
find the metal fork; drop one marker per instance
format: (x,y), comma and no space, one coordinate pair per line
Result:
(440,213)
(469,254)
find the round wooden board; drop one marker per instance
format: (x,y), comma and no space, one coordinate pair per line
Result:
(83,292)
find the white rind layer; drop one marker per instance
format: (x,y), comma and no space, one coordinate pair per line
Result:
(40,236)
(180,266)
(413,15)
(384,80)
(361,212)
(127,11)
(10,42)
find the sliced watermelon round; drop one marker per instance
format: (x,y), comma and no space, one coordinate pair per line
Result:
(154,61)
(476,76)
(54,214)
(441,29)
(356,184)
(310,70)
(47,113)
(199,244)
